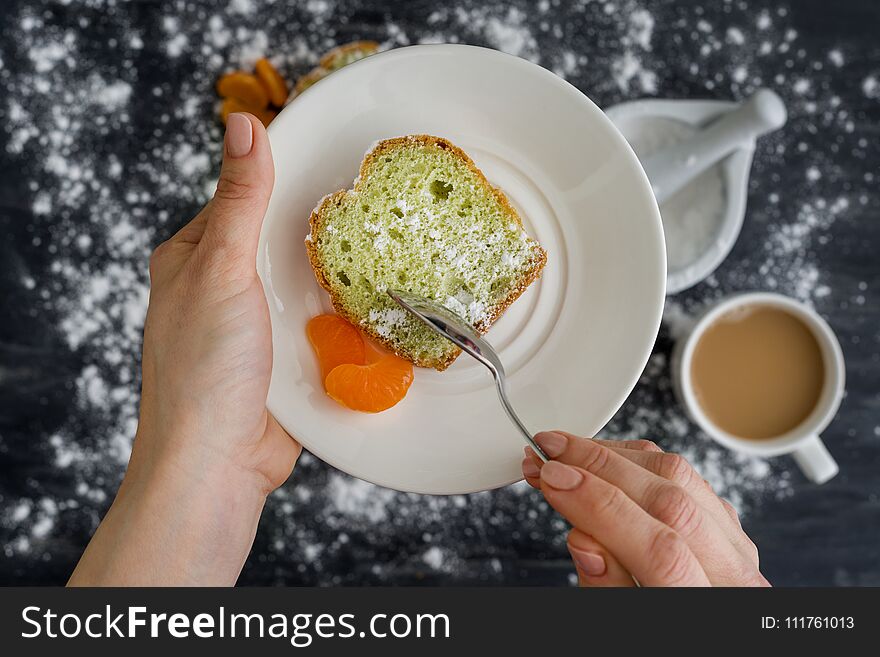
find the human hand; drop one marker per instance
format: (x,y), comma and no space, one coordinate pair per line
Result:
(207,339)
(207,451)
(640,515)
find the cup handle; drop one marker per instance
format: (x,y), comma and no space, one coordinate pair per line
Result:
(815,461)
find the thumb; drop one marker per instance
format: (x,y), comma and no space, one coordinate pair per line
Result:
(235,214)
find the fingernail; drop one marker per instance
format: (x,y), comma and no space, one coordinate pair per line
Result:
(239,135)
(530,468)
(551,442)
(560,476)
(590,563)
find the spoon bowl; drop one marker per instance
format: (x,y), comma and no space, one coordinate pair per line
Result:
(444,322)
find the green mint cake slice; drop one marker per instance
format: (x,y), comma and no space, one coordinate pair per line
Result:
(422,218)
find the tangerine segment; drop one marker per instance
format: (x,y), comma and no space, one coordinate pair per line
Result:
(272,81)
(374,351)
(336,342)
(244,87)
(370,388)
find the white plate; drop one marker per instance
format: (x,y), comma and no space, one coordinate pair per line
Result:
(574,344)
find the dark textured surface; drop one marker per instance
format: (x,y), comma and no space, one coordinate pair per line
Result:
(68,388)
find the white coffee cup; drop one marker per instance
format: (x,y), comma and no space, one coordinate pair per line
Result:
(803,441)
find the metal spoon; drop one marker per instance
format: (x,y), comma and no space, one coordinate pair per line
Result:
(443,321)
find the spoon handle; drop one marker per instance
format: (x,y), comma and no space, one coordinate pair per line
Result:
(505,402)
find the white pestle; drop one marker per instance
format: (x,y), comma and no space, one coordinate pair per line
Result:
(673,167)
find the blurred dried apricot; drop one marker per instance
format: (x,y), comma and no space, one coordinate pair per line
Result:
(272,81)
(265,115)
(244,87)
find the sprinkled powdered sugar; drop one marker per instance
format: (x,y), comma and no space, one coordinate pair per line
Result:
(627,67)
(385,320)
(115,165)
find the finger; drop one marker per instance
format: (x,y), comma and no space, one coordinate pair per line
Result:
(640,445)
(284,451)
(668,502)
(653,552)
(747,545)
(531,468)
(596,566)
(634,445)
(235,215)
(669,466)
(724,551)
(672,467)
(676,469)
(292,447)
(731,511)
(727,517)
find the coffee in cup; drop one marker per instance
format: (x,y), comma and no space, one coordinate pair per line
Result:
(757,372)
(763,374)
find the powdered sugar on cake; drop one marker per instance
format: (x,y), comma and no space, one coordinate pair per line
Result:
(385,321)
